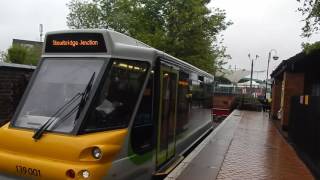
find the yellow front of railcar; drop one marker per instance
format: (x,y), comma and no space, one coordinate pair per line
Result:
(58,156)
(74,117)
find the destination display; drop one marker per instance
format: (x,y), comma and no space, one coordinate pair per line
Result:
(75,43)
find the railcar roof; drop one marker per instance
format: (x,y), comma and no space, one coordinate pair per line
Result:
(122,46)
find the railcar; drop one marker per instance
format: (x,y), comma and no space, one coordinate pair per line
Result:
(102,105)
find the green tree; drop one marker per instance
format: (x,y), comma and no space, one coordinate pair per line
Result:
(185,29)
(310,9)
(23,54)
(310,48)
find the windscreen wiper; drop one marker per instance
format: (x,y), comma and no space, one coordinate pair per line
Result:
(47,124)
(84,96)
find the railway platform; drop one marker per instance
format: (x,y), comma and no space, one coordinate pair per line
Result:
(245,146)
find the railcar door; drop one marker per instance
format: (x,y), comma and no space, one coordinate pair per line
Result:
(167,114)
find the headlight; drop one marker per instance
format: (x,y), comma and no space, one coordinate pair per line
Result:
(96,153)
(85,174)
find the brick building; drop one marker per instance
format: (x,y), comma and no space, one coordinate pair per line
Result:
(296,76)
(296,94)
(13,81)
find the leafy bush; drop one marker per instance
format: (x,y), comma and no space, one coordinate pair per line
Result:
(21,54)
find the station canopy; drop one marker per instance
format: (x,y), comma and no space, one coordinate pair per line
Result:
(234,76)
(247,83)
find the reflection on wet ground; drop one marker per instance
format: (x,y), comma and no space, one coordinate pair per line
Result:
(246,146)
(258,151)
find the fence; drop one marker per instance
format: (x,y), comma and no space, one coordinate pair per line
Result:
(239,90)
(13,81)
(235,97)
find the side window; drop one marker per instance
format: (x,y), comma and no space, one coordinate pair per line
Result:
(118,97)
(142,130)
(184,102)
(208,93)
(202,93)
(197,92)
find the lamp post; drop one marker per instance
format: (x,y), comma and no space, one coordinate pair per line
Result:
(251,70)
(275,57)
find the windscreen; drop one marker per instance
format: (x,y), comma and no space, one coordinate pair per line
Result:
(119,95)
(57,83)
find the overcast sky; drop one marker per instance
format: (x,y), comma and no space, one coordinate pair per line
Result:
(259,26)
(20,19)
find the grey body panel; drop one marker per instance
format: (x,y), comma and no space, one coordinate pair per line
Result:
(10,177)
(123,46)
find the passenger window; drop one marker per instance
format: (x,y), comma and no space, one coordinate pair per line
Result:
(119,95)
(142,130)
(184,102)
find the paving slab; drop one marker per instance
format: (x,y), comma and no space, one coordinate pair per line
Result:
(205,161)
(258,151)
(245,146)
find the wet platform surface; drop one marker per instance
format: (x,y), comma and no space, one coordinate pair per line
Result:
(245,146)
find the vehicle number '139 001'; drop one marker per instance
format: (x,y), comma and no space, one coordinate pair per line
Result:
(22,170)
